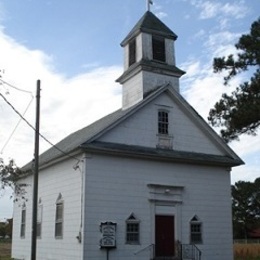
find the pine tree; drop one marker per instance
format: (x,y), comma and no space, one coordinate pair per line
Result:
(239,113)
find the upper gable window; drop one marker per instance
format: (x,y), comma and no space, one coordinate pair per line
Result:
(132,52)
(158,48)
(163,122)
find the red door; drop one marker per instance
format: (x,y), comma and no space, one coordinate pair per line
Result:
(164,236)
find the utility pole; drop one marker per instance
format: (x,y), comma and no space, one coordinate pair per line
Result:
(36,174)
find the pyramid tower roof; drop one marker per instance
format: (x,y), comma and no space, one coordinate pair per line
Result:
(149,23)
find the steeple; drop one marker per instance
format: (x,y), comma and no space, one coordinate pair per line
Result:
(149,59)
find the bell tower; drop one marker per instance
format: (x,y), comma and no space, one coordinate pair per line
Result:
(149,59)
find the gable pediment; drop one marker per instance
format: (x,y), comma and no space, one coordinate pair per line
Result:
(188,132)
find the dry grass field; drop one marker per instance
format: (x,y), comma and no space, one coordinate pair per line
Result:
(5,250)
(247,251)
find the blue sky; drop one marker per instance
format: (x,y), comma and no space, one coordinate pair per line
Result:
(74,48)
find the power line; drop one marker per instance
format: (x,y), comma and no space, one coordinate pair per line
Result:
(12,86)
(43,137)
(18,123)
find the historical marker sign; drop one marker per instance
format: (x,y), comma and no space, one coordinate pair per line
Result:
(108,231)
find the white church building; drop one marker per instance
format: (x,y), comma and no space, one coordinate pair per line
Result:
(150,181)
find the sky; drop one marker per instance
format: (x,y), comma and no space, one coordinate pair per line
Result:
(73,47)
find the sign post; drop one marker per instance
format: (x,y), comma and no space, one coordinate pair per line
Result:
(108,236)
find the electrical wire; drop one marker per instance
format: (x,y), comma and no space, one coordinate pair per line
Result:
(12,86)
(18,123)
(43,137)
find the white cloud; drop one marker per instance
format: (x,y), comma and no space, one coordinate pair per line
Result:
(158,11)
(161,15)
(200,34)
(5,204)
(67,104)
(226,38)
(248,146)
(192,68)
(212,9)
(245,173)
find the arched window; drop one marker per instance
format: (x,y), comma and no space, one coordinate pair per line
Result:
(132,230)
(59,217)
(195,230)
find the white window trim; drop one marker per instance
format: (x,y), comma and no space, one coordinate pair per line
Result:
(196,221)
(59,202)
(132,220)
(23,223)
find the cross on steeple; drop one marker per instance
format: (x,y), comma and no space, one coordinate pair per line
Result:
(149,2)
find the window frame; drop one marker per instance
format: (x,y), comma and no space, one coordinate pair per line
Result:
(130,234)
(196,235)
(39,220)
(159,48)
(23,222)
(163,122)
(59,221)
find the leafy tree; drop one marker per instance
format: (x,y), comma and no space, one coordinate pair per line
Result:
(9,176)
(6,228)
(9,227)
(239,113)
(2,229)
(245,207)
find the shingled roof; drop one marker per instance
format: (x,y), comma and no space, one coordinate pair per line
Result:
(73,141)
(149,23)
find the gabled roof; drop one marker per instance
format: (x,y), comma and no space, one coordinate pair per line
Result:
(149,23)
(74,140)
(83,138)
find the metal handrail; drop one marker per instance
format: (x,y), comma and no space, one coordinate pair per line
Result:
(190,251)
(151,246)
